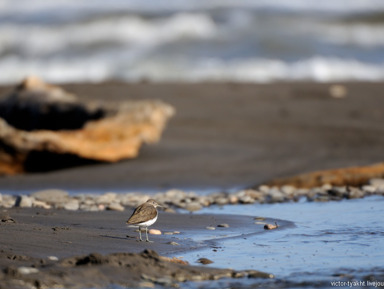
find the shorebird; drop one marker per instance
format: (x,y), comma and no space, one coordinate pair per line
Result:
(144,216)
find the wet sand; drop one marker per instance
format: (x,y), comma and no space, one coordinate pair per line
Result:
(56,242)
(233,135)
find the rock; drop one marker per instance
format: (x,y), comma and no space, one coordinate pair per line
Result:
(233,199)
(223,226)
(154,232)
(106,198)
(378,184)
(115,207)
(41,204)
(8,201)
(192,207)
(258,274)
(51,196)
(42,128)
(369,189)
(173,243)
(204,261)
(338,91)
(72,205)
(27,270)
(146,284)
(53,258)
(25,202)
(355,193)
(210,228)
(270,226)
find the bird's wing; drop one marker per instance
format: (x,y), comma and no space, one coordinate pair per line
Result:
(141,213)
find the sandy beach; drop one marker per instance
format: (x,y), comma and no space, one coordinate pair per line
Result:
(231,135)
(223,136)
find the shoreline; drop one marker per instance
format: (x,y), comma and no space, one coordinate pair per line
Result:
(49,244)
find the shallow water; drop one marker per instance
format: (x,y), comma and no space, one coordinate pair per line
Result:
(332,241)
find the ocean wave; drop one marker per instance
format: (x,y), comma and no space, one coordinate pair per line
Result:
(44,39)
(321,69)
(74,8)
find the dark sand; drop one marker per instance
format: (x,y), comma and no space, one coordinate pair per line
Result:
(93,244)
(233,135)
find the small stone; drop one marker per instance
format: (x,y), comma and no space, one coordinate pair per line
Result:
(223,226)
(115,207)
(106,198)
(168,233)
(40,204)
(221,201)
(259,218)
(210,228)
(204,261)
(355,193)
(51,196)
(288,190)
(176,232)
(25,202)
(369,189)
(192,207)
(146,284)
(238,275)
(338,91)
(53,258)
(72,205)
(270,226)
(264,188)
(258,274)
(246,200)
(154,232)
(233,199)
(27,270)
(173,243)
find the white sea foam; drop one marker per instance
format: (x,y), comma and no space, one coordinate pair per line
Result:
(255,70)
(43,39)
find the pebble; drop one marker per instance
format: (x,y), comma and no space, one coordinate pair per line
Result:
(338,91)
(27,270)
(51,196)
(25,201)
(115,207)
(154,232)
(270,226)
(190,201)
(41,204)
(173,243)
(53,258)
(72,205)
(204,261)
(146,284)
(210,228)
(223,226)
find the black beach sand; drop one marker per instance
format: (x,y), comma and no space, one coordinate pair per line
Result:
(223,136)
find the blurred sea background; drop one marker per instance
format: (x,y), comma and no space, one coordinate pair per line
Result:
(192,40)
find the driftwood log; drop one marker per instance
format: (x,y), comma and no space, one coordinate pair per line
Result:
(42,127)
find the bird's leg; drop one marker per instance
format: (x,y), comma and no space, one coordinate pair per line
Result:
(146,233)
(140,234)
